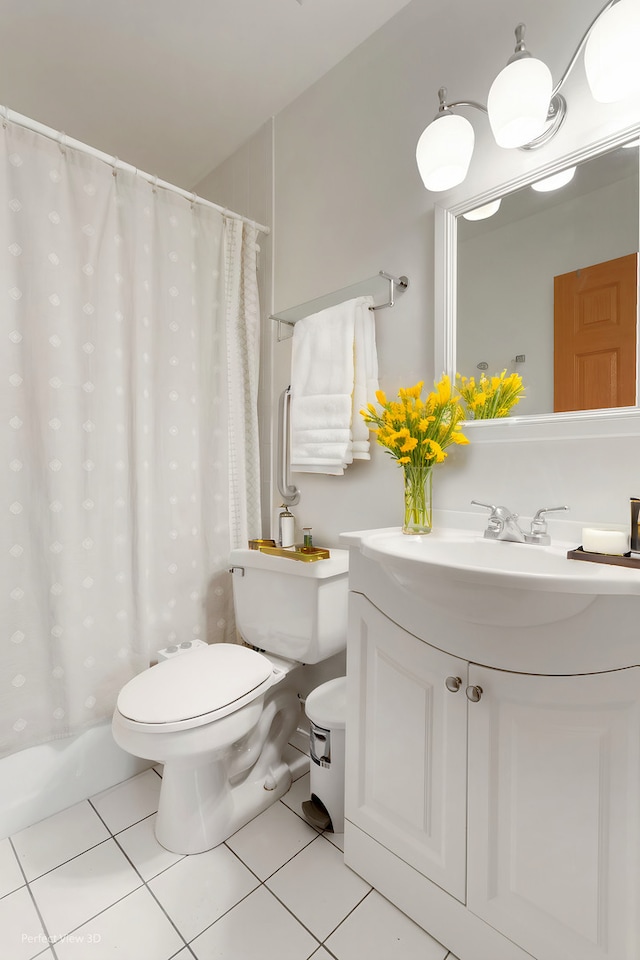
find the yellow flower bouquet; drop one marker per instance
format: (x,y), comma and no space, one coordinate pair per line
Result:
(490,397)
(416,434)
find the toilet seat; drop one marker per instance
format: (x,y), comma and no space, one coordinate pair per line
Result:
(197,688)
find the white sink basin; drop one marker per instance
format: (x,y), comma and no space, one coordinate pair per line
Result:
(513,606)
(466,556)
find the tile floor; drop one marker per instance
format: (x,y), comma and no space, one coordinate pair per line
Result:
(92,883)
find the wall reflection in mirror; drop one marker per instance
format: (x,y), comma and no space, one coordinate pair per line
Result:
(547,287)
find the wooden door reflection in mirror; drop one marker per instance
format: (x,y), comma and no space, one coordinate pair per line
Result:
(595,321)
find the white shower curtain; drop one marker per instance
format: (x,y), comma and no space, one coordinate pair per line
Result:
(129,374)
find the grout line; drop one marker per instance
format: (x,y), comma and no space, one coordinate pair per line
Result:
(361,901)
(213,923)
(74,857)
(289,910)
(148,888)
(122,829)
(33,900)
(355,907)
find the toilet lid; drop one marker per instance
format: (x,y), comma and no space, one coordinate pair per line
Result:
(196,683)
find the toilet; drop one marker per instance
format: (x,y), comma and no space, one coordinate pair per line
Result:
(219,717)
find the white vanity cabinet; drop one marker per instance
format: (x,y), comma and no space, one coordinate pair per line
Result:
(406,781)
(508,826)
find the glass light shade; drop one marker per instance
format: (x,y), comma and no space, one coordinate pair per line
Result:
(519,102)
(484,212)
(554,182)
(611,53)
(444,150)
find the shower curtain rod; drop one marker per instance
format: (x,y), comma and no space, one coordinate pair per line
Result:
(12,117)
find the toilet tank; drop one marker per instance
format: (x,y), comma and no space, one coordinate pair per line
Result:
(294,609)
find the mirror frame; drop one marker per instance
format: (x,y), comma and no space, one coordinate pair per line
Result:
(620,421)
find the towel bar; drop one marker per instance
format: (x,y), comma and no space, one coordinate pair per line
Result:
(293,314)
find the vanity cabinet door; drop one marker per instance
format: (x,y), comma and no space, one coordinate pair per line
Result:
(554,812)
(406,746)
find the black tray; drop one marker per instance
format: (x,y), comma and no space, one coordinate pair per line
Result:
(624,561)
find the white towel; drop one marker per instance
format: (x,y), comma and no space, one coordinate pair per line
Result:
(333,362)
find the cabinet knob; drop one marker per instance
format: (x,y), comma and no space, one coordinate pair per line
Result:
(453,684)
(473,693)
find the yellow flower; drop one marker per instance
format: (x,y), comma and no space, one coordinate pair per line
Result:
(410,444)
(435,451)
(416,431)
(490,397)
(444,389)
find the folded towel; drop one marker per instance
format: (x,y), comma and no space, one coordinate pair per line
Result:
(333,361)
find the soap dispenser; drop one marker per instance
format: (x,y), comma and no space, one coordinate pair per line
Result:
(286,527)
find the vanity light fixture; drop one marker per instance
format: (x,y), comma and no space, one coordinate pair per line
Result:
(524,109)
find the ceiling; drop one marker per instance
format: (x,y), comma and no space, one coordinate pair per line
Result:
(173,87)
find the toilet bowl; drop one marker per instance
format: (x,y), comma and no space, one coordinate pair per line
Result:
(219,717)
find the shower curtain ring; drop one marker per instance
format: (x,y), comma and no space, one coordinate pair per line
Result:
(61,142)
(154,185)
(115,162)
(5,117)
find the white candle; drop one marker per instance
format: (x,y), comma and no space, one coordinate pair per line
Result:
(612,542)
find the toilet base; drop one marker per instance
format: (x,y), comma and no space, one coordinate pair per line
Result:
(184,826)
(203,803)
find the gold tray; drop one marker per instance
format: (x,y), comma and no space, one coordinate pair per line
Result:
(305,554)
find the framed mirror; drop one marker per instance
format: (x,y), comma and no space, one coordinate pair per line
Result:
(516,266)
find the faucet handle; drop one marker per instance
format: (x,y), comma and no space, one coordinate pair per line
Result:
(489,506)
(501,513)
(498,518)
(538,532)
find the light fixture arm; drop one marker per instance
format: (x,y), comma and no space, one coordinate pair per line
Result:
(445,107)
(558,87)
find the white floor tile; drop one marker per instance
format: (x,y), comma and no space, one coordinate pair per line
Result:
(22,934)
(140,845)
(259,928)
(10,873)
(318,888)
(128,802)
(200,888)
(133,928)
(267,842)
(73,893)
(59,838)
(378,931)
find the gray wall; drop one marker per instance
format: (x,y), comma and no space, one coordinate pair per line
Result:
(348,201)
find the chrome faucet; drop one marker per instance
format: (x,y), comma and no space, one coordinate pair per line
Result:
(503,525)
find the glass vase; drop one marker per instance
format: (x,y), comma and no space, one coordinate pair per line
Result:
(418,500)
